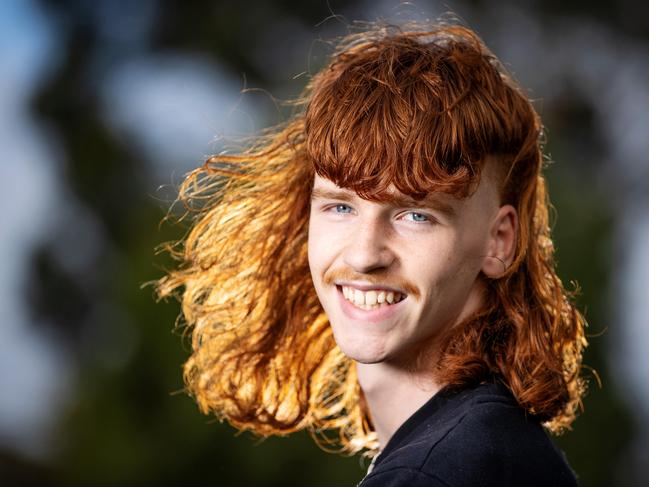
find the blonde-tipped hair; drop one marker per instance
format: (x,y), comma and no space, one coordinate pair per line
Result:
(417,110)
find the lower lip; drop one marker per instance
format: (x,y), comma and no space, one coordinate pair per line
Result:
(372,315)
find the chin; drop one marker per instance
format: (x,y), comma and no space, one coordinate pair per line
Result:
(364,358)
(361,349)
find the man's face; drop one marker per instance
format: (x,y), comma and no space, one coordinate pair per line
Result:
(391,276)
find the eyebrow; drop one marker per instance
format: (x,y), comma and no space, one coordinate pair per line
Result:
(331,194)
(396,201)
(430,203)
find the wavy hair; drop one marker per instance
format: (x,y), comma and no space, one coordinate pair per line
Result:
(420,110)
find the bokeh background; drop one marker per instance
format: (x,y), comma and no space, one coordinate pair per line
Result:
(105,104)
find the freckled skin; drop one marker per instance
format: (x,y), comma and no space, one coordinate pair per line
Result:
(441,255)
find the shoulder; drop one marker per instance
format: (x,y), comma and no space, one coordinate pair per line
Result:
(495,442)
(403,476)
(480,437)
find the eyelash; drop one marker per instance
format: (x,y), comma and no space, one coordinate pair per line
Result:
(427,218)
(335,208)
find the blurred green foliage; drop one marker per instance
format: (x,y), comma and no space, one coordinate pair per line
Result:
(129,423)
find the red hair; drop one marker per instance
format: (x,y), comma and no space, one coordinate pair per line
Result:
(421,111)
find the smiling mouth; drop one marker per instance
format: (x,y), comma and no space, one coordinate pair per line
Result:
(372,299)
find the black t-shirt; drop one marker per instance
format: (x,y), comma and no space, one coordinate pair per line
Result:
(473,437)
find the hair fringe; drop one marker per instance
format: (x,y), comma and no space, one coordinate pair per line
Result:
(429,106)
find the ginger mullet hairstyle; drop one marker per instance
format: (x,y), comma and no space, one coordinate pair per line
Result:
(418,110)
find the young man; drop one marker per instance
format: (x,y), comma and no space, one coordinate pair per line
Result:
(382,266)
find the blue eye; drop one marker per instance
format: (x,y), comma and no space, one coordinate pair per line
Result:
(343,209)
(417,217)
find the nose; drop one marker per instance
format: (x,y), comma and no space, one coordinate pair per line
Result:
(368,247)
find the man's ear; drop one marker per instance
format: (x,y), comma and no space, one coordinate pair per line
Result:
(501,246)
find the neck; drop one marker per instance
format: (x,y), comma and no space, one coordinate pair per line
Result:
(393,394)
(394,390)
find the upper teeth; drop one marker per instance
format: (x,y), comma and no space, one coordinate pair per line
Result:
(372,298)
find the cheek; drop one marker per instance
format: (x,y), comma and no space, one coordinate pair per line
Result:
(442,271)
(434,264)
(312,250)
(318,248)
